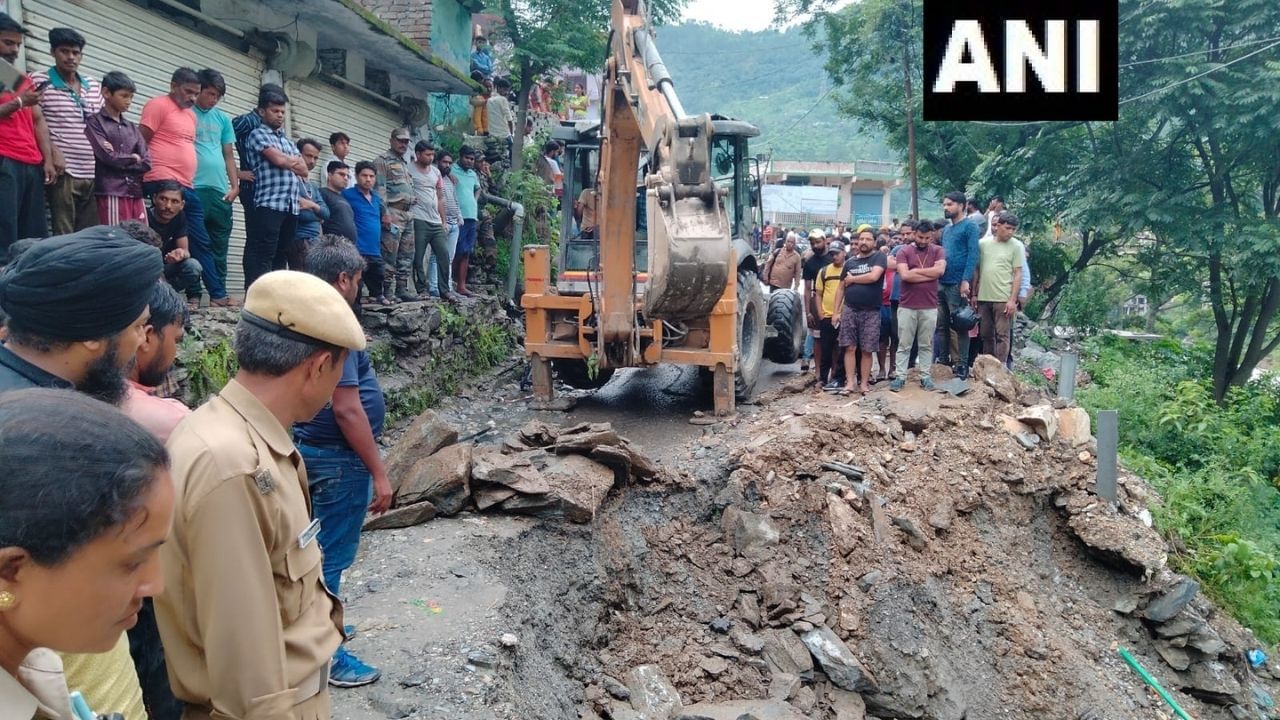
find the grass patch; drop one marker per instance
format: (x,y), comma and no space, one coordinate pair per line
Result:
(483,347)
(1216,467)
(208,367)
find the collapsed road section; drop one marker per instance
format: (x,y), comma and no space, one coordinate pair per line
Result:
(910,556)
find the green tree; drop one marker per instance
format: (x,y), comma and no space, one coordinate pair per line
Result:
(1193,161)
(548,35)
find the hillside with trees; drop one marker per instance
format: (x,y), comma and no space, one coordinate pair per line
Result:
(773,79)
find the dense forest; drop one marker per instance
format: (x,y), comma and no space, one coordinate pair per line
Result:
(773,79)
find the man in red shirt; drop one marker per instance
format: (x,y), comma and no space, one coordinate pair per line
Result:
(920,264)
(26,159)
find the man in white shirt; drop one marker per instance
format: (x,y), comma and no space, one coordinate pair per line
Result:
(501,118)
(340,146)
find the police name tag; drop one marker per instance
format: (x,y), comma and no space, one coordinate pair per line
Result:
(262,478)
(306,536)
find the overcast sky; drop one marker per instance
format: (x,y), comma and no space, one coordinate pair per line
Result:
(732,14)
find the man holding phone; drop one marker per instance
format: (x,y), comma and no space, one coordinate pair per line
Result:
(26,158)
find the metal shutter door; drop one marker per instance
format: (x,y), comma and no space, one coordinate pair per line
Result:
(317,109)
(148,48)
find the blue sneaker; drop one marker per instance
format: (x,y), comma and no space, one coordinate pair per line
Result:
(926,382)
(897,384)
(348,672)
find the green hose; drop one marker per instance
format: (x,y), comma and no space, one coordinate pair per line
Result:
(1155,684)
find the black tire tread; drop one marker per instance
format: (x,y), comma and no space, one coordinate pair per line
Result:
(786,317)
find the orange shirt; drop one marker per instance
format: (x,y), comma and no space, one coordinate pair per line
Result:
(173,142)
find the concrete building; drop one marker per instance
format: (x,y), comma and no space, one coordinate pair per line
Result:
(862,187)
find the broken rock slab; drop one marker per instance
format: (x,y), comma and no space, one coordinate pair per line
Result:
(838,662)
(737,709)
(652,694)
(515,472)
(402,517)
(1114,537)
(991,372)
(577,486)
(846,529)
(1073,426)
(787,653)
(443,479)
(422,439)
(1171,601)
(749,533)
(1041,418)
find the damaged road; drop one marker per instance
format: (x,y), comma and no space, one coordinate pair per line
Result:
(908,555)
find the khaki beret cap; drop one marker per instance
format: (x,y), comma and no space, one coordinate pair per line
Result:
(301,306)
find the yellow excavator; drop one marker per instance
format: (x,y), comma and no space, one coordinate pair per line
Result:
(676,282)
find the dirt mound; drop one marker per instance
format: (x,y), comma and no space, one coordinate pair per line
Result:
(907,552)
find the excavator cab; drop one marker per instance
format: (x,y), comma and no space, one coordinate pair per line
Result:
(578,260)
(670,274)
(734,171)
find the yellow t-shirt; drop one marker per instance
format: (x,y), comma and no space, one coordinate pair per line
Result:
(829,288)
(108,681)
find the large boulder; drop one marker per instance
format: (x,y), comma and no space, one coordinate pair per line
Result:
(442,478)
(423,438)
(402,517)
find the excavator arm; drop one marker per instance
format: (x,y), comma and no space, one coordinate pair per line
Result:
(690,251)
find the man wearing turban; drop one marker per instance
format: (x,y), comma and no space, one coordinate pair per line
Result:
(77,309)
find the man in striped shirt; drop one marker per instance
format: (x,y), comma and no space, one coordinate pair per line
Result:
(70,99)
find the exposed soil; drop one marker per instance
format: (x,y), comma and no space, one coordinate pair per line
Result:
(956,575)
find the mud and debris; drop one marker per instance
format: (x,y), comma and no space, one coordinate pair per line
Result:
(900,556)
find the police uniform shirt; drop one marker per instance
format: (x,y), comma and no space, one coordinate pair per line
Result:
(247,624)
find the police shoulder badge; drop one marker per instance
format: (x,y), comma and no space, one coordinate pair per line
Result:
(262,478)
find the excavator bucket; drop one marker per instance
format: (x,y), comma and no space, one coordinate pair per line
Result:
(690,252)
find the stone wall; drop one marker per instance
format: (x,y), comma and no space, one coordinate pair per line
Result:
(422,351)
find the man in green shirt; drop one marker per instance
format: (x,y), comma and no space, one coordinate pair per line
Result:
(217,182)
(999,278)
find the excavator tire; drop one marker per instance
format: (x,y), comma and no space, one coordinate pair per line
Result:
(786,317)
(751,332)
(574,373)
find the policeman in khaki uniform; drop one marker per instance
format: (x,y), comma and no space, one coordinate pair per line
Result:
(395,187)
(247,624)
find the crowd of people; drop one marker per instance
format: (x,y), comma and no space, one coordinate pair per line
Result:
(70,156)
(169,562)
(878,300)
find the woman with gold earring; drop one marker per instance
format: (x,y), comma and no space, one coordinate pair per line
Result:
(85,503)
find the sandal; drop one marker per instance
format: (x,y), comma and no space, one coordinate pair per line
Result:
(226,302)
(384,300)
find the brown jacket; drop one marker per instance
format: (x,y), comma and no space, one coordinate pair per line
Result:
(247,624)
(783,269)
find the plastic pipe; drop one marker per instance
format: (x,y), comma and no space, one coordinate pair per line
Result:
(517,244)
(1155,684)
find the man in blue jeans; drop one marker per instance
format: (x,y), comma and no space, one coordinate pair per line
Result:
(960,245)
(340,448)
